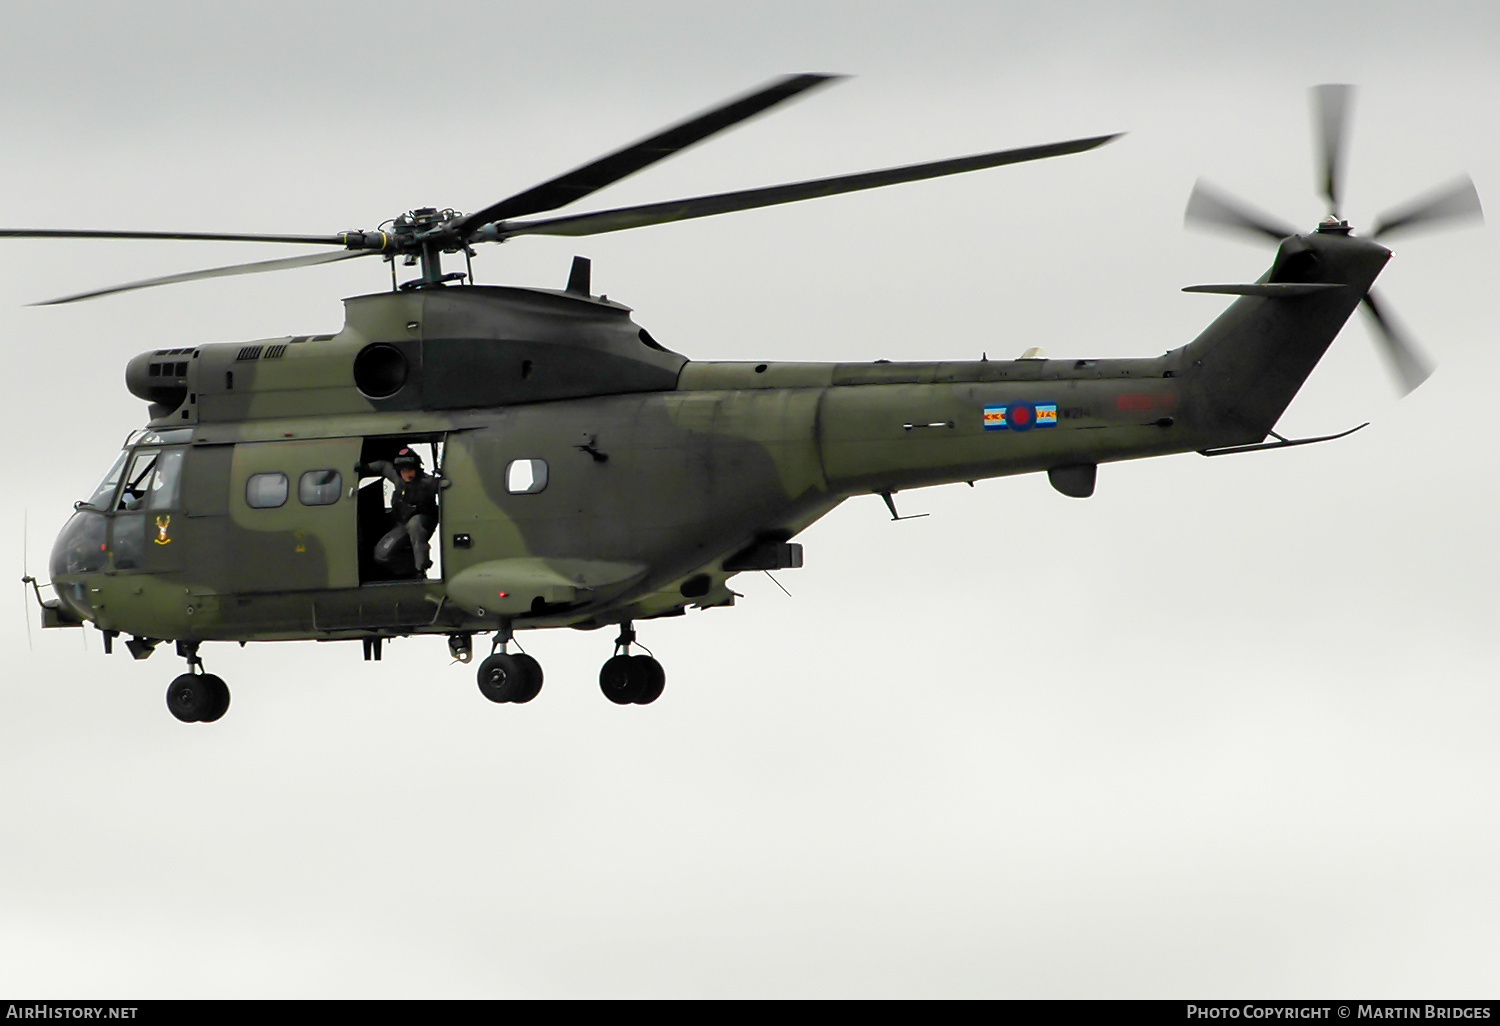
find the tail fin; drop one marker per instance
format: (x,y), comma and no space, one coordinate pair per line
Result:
(1246,366)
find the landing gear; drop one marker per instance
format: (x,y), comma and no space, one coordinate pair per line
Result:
(510,678)
(196,696)
(631,679)
(507,677)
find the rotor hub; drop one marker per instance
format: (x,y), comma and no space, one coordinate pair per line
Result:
(427,226)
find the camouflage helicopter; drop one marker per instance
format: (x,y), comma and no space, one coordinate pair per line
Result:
(581,474)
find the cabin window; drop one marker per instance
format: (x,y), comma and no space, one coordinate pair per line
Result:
(526,477)
(320,487)
(265,491)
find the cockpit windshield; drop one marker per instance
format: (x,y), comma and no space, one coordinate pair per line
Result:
(106,489)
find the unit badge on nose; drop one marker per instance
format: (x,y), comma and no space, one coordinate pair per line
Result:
(162,523)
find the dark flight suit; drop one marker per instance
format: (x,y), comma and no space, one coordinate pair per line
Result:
(414,505)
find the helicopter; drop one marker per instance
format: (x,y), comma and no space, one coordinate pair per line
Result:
(583,475)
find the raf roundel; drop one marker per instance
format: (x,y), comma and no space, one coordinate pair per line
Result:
(1020,416)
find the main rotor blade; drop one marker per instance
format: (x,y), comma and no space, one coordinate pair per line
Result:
(215,272)
(1331,107)
(1208,206)
(1456,202)
(590,177)
(1407,362)
(70,233)
(722,203)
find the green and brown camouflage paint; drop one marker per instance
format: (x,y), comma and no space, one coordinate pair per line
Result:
(665,476)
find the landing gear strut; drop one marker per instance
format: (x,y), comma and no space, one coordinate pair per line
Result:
(504,677)
(196,696)
(631,679)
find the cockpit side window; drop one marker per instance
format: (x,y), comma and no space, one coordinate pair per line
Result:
(138,479)
(163,491)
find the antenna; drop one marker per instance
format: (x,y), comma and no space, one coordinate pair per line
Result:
(890,504)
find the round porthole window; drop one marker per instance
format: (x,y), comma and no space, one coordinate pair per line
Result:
(380,370)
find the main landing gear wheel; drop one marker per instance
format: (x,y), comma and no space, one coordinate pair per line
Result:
(510,678)
(198,698)
(632,680)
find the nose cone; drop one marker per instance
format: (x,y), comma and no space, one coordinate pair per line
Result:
(80,549)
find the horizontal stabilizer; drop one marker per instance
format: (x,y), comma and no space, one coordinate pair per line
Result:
(1271,290)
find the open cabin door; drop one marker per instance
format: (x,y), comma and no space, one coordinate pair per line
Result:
(376,519)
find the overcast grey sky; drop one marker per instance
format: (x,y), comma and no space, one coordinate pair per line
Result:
(1225,729)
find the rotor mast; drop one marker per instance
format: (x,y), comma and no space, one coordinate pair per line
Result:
(424,235)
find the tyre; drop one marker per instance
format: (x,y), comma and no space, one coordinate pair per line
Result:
(620,681)
(219,692)
(530,683)
(653,679)
(500,677)
(190,698)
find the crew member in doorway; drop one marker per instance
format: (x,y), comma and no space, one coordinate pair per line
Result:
(413,504)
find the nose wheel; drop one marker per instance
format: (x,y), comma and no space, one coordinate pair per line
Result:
(629,679)
(196,696)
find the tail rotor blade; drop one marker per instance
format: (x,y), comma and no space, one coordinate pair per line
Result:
(1456,202)
(1407,362)
(1209,207)
(1331,107)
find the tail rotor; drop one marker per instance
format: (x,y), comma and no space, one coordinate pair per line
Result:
(1447,206)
